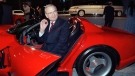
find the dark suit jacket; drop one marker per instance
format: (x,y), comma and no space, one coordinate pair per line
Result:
(109,13)
(55,41)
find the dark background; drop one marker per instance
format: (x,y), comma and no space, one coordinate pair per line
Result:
(62,4)
(65,4)
(10,5)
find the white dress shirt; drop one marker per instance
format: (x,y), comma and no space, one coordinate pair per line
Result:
(40,34)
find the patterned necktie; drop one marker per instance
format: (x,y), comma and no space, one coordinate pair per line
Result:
(52,24)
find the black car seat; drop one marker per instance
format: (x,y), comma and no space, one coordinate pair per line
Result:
(75,32)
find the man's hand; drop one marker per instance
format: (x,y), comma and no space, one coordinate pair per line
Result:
(43,25)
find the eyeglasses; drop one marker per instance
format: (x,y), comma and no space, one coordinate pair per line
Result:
(54,12)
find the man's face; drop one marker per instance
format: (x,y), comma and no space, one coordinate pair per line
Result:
(51,13)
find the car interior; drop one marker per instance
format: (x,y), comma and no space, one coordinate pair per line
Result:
(28,36)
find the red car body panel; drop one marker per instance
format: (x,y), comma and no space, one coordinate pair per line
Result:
(5,37)
(4,27)
(105,36)
(19,57)
(27,57)
(28,61)
(32,57)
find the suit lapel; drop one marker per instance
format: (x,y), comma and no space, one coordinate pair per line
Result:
(57,24)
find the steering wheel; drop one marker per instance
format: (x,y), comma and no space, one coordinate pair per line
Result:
(29,34)
(31,37)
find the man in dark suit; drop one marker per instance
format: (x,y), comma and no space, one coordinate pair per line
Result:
(109,14)
(54,32)
(54,35)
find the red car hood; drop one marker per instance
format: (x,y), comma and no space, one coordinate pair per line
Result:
(22,60)
(5,27)
(114,30)
(5,39)
(30,61)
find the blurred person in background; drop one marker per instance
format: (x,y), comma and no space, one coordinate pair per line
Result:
(26,10)
(109,14)
(38,11)
(130,18)
(32,12)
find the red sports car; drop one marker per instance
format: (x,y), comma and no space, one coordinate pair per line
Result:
(93,51)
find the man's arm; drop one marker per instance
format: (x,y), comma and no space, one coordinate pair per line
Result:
(43,25)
